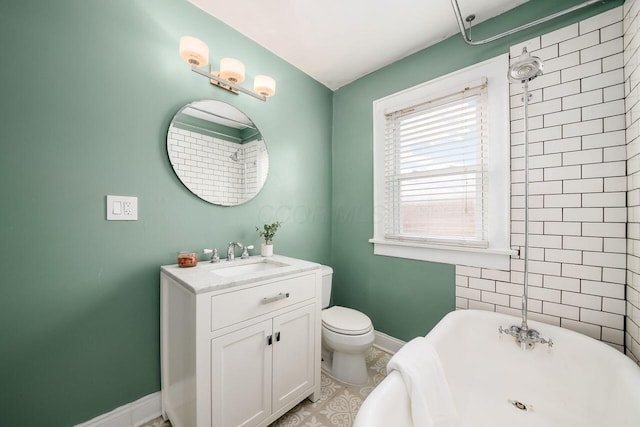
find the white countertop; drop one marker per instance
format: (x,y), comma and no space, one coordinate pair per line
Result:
(202,277)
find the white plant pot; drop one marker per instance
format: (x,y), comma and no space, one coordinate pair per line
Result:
(266,250)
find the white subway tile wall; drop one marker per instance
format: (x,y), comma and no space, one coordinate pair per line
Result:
(631,42)
(577,188)
(207,167)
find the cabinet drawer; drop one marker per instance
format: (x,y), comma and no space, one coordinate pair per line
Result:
(233,307)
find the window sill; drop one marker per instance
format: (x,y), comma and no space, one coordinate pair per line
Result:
(499,259)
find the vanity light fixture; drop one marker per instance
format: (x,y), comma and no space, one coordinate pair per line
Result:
(196,53)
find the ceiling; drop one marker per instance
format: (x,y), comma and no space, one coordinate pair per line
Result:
(339,41)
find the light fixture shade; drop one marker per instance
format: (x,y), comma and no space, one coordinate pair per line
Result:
(264,85)
(194,51)
(232,70)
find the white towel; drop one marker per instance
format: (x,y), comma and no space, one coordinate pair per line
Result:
(420,368)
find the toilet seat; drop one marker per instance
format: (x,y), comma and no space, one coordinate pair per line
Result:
(346,321)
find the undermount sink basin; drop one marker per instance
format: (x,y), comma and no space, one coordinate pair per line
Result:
(231,269)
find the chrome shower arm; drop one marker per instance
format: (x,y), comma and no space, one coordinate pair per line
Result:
(467,39)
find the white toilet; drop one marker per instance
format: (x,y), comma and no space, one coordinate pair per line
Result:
(347,334)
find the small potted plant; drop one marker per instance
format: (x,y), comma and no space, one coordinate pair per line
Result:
(268,231)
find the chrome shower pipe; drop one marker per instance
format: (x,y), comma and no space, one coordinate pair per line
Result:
(525,294)
(465,36)
(525,337)
(525,69)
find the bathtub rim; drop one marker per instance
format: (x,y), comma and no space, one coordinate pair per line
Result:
(379,407)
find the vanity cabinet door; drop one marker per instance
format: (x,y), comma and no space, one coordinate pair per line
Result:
(241,364)
(293,355)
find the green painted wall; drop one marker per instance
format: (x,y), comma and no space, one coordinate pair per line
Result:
(88,91)
(405,298)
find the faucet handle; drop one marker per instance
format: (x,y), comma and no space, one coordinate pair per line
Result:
(215,257)
(245,252)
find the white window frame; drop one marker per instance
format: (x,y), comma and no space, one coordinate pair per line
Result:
(498,253)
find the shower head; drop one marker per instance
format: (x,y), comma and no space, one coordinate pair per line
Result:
(234,156)
(525,69)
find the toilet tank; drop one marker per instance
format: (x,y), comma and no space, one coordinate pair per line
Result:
(327,274)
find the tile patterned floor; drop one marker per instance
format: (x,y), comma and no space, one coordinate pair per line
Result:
(338,403)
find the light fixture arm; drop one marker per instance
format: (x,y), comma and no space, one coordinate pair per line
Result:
(467,39)
(224,82)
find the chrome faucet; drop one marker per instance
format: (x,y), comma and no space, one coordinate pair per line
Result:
(231,255)
(231,250)
(525,337)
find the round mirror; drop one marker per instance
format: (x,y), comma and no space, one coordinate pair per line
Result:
(217,152)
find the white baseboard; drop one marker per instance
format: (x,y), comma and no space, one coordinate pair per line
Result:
(130,415)
(387,342)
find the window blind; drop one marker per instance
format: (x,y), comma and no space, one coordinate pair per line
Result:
(436,170)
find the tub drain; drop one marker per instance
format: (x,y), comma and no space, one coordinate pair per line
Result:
(521,406)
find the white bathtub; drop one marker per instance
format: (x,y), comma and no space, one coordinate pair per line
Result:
(578,382)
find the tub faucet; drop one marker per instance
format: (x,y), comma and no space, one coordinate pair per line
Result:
(525,337)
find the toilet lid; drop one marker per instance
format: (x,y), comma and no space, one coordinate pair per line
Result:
(346,321)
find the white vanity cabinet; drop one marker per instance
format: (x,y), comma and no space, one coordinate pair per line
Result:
(263,367)
(240,352)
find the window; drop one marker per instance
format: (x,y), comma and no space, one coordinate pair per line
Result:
(441,169)
(435,165)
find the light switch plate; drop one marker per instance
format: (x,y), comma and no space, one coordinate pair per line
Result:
(122,208)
